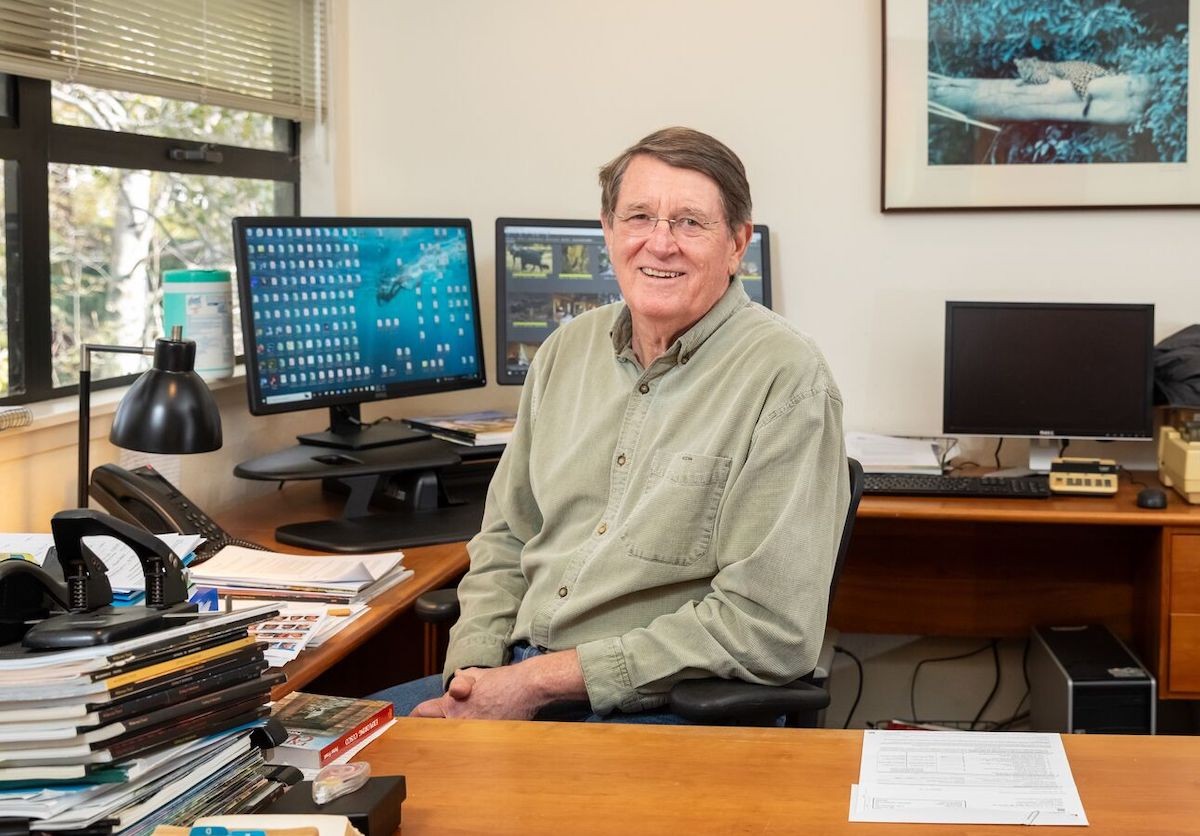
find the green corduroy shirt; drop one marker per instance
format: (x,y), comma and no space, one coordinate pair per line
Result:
(670,522)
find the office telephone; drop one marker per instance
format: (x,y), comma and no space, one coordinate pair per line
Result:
(144,497)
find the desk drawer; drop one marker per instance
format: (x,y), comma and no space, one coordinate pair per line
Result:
(1185,653)
(1185,573)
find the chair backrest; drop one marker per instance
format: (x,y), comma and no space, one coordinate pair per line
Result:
(856,492)
(713,700)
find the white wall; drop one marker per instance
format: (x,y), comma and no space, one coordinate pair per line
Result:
(489,109)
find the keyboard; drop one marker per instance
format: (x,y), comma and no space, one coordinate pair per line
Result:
(1004,487)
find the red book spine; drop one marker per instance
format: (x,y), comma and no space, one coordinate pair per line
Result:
(351,738)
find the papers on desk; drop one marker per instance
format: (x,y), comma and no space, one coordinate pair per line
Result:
(125,573)
(335,579)
(965,778)
(893,454)
(299,625)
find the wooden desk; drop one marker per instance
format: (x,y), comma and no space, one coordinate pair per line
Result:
(979,567)
(917,565)
(470,777)
(387,650)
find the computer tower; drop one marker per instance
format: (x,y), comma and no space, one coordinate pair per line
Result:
(1085,680)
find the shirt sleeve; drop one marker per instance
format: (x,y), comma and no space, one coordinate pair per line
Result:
(491,591)
(776,537)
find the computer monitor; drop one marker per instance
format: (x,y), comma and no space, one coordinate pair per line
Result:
(548,271)
(1048,371)
(337,312)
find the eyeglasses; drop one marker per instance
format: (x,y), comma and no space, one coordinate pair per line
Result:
(641,225)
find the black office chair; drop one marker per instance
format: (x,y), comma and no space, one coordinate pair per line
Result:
(712,701)
(732,702)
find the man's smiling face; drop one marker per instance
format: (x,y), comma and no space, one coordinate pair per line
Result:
(670,279)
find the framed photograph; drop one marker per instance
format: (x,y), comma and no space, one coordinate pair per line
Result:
(989,104)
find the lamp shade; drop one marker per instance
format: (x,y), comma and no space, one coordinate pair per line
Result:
(168,409)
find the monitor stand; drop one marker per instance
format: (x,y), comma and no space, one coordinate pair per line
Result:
(422,512)
(1042,451)
(423,491)
(346,431)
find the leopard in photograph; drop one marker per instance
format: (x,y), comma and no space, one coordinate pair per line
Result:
(1079,73)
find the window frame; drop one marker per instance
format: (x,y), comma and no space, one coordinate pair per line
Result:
(31,139)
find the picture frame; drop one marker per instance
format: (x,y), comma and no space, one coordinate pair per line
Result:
(966,128)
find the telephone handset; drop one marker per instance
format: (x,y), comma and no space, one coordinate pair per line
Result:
(142,496)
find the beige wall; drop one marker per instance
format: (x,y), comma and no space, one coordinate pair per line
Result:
(487,109)
(490,109)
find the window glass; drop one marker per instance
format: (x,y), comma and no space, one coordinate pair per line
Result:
(114,231)
(113,110)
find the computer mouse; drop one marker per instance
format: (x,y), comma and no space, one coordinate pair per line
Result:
(1151,498)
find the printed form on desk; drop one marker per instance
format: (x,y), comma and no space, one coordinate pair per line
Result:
(965,778)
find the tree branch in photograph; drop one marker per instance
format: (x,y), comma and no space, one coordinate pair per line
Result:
(1116,100)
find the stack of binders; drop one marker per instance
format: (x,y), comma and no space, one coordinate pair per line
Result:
(116,739)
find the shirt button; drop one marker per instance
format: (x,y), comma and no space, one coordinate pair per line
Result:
(684,359)
(644,388)
(562,592)
(621,460)
(603,527)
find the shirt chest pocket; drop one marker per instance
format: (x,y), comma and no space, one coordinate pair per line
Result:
(675,515)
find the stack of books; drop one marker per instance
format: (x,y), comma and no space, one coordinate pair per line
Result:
(474,429)
(323,729)
(118,738)
(239,572)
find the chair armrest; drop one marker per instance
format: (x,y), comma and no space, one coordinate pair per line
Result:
(731,701)
(437,606)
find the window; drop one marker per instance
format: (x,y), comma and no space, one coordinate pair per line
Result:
(131,134)
(105,191)
(140,113)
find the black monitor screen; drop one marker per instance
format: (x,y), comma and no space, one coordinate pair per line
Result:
(548,271)
(339,311)
(1065,370)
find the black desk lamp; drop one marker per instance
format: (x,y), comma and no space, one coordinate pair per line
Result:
(166,410)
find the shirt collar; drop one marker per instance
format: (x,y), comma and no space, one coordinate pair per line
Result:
(731,301)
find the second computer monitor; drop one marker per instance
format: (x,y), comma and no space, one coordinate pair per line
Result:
(549,271)
(1049,371)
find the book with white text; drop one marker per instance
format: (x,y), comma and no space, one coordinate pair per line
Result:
(320,728)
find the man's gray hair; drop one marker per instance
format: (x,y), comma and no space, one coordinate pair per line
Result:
(685,148)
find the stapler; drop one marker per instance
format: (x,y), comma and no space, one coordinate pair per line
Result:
(90,619)
(28,593)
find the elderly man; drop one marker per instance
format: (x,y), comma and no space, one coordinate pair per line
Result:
(671,501)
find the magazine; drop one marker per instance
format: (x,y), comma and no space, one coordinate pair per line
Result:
(472,428)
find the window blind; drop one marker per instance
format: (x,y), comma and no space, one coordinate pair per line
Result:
(262,55)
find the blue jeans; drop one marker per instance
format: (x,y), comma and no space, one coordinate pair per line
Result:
(407,695)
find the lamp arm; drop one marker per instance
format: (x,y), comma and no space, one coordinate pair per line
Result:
(85,406)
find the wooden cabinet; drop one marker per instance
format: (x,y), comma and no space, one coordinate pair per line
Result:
(982,567)
(1182,677)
